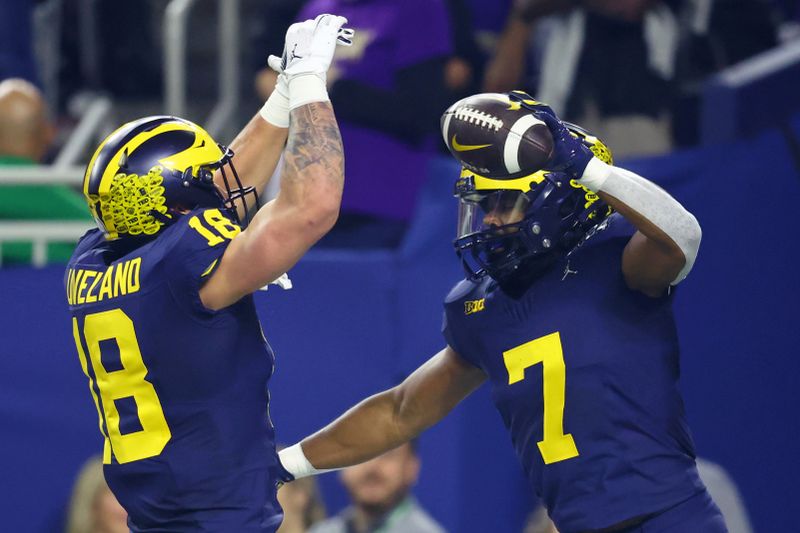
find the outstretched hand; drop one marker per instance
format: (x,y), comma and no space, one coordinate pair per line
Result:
(283,475)
(570,154)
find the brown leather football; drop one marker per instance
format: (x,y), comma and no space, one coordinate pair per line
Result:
(496,137)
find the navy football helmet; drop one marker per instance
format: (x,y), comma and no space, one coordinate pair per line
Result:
(506,224)
(144,175)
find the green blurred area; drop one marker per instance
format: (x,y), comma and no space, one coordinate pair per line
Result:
(38,202)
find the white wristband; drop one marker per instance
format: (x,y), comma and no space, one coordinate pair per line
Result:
(595,175)
(305,89)
(294,461)
(276,109)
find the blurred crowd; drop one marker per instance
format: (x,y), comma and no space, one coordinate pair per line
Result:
(379,491)
(631,71)
(381,500)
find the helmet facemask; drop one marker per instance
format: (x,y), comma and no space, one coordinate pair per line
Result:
(488,237)
(236,197)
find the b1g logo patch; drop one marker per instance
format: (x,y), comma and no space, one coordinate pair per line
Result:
(474,306)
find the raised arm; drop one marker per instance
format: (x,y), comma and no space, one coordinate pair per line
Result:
(308,202)
(662,252)
(257,150)
(386,420)
(258,147)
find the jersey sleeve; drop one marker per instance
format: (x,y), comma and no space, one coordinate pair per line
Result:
(196,250)
(456,333)
(452,336)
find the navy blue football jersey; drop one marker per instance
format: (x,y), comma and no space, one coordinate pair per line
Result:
(181,390)
(584,372)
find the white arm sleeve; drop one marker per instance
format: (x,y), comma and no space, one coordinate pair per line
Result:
(650,201)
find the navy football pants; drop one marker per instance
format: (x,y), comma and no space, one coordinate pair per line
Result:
(698,514)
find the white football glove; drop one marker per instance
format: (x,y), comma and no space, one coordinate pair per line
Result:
(307,54)
(309,46)
(307,50)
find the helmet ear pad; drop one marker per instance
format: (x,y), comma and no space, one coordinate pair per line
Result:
(550,213)
(560,214)
(189,192)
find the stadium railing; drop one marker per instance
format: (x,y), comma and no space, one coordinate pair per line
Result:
(40,233)
(42,175)
(94,124)
(754,95)
(175,43)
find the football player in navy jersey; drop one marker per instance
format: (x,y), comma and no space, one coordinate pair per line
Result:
(161,294)
(566,310)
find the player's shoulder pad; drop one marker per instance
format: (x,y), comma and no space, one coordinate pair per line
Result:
(461,298)
(202,228)
(613,228)
(466,290)
(90,241)
(196,241)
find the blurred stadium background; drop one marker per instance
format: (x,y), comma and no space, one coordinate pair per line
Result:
(361,317)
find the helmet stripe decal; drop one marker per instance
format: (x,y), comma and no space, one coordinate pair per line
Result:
(204,149)
(113,168)
(90,166)
(520,184)
(119,137)
(511,149)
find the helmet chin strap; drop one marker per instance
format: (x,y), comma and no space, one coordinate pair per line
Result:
(516,283)
(164,218)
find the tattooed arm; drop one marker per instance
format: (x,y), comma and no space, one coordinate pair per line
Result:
(257,150)
(258,147)
(314,161)
(305,209)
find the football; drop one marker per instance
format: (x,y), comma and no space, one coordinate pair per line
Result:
(496,137)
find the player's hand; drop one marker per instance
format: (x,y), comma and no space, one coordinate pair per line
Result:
(284,476)
(310,45)
(570,154)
